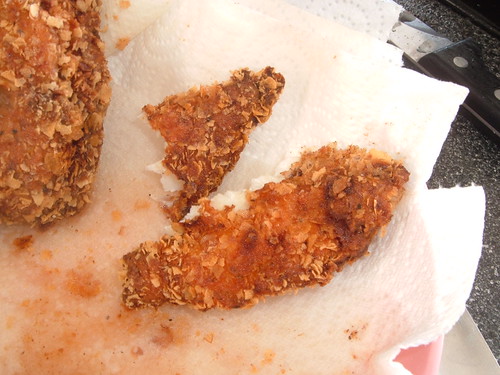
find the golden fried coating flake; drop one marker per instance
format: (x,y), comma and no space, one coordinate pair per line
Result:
(207,128)
(54,92)
(295,233)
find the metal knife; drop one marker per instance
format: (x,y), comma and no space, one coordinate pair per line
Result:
(466,352)
(438,57)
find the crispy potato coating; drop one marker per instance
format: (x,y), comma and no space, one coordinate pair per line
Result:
(295,233)
(207,128)
(54,92)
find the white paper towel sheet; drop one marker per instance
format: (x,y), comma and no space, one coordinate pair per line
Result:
(374,18)
(122,20)
(61,310)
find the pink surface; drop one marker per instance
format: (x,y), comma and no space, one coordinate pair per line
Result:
(424,359)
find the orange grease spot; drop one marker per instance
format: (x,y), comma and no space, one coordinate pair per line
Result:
(9,323)
(142,204)
(82,284)
(46,255)
(268,357)
(23,243)
(136,351)
(122,43)
(124,4)
(164,338)
(116,215)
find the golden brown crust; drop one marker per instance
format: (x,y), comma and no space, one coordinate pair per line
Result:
(206,129)
(295,233)
(54,92)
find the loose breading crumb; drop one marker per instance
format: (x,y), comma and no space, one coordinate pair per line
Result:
(295,233)
(207,128)
(54,92)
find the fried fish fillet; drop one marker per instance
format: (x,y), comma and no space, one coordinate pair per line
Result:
(207,128)
(294,233)
(54,92)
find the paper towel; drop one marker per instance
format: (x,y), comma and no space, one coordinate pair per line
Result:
(339,92)
(122,20)
(375,18)
(61,310)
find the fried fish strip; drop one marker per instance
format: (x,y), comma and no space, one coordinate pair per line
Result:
(207,128)
(295,233)
(54,92)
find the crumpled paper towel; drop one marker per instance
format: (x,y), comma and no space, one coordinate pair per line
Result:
(61,310)
(122,20)
(375,18)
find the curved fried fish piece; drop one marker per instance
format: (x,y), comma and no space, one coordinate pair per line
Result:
(206,129)
(54,92)
(295,233)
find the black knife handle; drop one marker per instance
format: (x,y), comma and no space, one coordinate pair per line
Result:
(461,63)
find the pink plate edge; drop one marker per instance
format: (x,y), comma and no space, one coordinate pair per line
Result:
(423,359)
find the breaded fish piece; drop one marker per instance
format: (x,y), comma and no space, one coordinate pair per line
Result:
(294,233)
(54,92)
(206,129)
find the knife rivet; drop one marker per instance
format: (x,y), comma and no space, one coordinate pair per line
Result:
(497,94)
(460,62)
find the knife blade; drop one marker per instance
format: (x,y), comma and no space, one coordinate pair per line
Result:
(466,352)
(436,56)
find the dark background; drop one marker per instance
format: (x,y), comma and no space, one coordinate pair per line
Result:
(468,157)
(485,13)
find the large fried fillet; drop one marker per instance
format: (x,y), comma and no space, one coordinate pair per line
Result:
(294,233)
(207,128)
(53,97)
